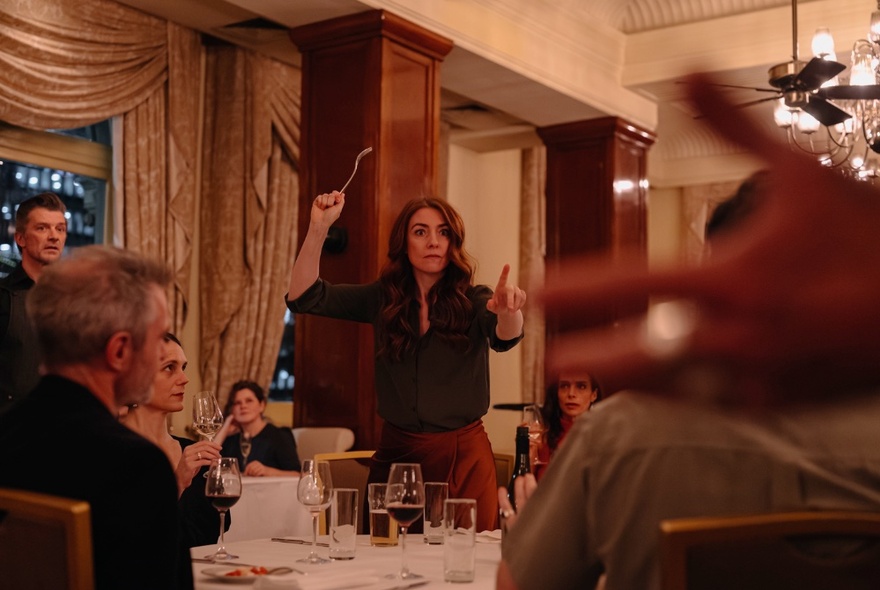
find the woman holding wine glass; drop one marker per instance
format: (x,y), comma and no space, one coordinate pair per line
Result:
(405,501)
(188,458)
(432,329)
(261,448)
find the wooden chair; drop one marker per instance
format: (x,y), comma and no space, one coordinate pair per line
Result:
(348,469)
(45,541)
(311,440)
(503,468)
(815,550)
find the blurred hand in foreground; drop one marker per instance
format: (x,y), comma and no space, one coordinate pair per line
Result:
(786,309)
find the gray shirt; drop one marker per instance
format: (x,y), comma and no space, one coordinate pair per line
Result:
(637,459)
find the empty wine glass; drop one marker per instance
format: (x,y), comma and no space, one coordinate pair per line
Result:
(207,417)
(533,418)
(244,443)
(314,492)
(223,488)
(405,501)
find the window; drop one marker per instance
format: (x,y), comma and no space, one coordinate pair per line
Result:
(75,164)
(281,388)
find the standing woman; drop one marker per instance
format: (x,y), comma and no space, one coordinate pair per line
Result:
(197,516)
(432,332)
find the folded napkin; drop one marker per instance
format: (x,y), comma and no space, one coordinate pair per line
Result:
(322,580)
(488,536)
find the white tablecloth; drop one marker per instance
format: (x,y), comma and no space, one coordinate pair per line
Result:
(268,508)
(423,559)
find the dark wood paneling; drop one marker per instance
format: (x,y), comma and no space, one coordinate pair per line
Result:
(596,197)
(371,79)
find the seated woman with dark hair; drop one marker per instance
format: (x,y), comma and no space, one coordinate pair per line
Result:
(272,450)
(198,517)
(569,397)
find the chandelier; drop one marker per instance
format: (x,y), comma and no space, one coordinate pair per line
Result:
(838,121)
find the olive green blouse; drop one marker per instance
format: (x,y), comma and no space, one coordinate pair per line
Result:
(435,389)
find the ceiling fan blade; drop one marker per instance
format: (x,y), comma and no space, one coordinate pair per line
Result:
(825,112)
(743,105)
(776,90)
(757,101)
(867,92)
(817,72)
(736,86)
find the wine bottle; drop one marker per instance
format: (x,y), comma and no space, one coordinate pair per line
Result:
(521,466)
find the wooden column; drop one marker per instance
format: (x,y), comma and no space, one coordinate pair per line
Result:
(596,196)
(369,80)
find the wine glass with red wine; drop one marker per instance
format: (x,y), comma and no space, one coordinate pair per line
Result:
(405,501)
(223,489)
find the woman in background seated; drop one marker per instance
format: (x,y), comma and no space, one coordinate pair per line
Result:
(569,397)
(188,458)
(272,450)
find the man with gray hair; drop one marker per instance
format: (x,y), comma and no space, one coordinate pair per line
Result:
(100,317)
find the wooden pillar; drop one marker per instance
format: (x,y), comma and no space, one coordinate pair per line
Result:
(369,80)
(596,196)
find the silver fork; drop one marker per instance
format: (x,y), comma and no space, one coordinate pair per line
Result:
(356,160)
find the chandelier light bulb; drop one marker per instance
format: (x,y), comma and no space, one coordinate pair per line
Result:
(806,123)
(823,44)
(862,69)
(782,115)
(874,31)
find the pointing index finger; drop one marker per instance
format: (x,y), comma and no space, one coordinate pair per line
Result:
(502,282)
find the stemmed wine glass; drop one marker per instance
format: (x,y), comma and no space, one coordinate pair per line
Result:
(405,501)
(244,443)
(314,492)
(207,417)
(534,420)
(223,488)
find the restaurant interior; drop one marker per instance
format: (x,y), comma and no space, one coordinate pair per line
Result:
(556,127)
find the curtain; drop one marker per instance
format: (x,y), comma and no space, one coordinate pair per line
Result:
(533,250)
(248,215)
(157,193)
(74,63)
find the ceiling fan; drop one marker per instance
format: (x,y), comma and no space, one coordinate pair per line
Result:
(799,85)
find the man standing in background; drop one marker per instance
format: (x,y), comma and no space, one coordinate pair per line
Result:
(40,232)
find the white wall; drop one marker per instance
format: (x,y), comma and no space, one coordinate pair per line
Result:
(664,225)
(485,189)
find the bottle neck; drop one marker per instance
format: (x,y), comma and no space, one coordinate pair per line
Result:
(522,454)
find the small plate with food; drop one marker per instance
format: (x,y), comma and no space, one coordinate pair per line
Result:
(244,574)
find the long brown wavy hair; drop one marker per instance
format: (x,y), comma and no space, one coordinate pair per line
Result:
(450,308)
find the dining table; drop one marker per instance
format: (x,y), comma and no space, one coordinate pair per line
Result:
(368,569)
(268,507)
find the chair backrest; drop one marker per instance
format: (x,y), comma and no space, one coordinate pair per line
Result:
(45,541)
(349,470)
(503,468)
(780,551)
(311,440)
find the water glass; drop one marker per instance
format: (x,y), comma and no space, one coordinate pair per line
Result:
(460,532)
(383,531)
(436,494)
(343,523)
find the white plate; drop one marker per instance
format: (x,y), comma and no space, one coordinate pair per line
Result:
(219,573)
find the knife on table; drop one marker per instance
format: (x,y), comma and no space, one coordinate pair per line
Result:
(297,541)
